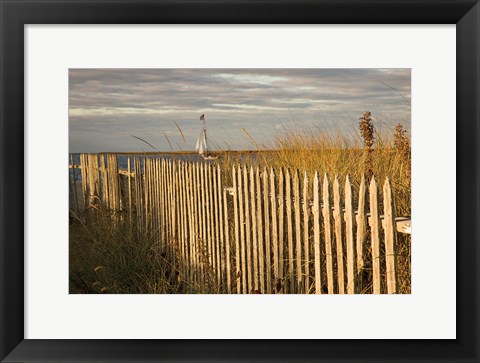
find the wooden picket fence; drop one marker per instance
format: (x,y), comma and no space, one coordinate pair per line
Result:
(250,230)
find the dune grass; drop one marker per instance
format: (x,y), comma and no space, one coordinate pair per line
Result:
(383,154)
(116,258)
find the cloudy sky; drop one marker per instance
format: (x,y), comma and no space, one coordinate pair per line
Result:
(108,106)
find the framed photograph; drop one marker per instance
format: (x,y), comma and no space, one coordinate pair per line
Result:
(239,181)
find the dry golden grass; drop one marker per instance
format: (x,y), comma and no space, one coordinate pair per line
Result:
(116,258)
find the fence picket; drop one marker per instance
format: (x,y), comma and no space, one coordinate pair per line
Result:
(227,242)
(273,198)
(219,226)
(327,217)
(237,228)
(390,237)
(316,234)
(281,228)
(337,216)
(248,230)
(306,236)
(349,237)
(254,230)
(268,260)
(361,226)
(375,231)
(291,258)
(261,257)
(242,231)
(299,288)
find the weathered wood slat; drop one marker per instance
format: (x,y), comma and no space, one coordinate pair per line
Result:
(236,220)
(375,232)
(248,230)
(281,227)
(337,216)
(254,230)
(216,223)
(190,214)
(361,227)
(390,237)
(316,234)
(139,193)
(130,203)
(273,203)
(209,239)
(349,237)
(306,235)
(259,214)
(291,258)
(204,255)
(242,230)
(183,216)
(198,224)
(73,183)
(174,205)
(227,242)
(104,183)
(219,226)
(146,192)
(213,219)
(299,288)
(327,216)
(266,206)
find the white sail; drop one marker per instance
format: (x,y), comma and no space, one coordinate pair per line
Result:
(201,144)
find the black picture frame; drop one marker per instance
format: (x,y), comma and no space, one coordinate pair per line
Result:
(15,14)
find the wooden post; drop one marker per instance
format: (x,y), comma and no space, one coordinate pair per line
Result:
(390,237)
(349,237)
(316,234)
(375,231)
(337,216)
(327,216)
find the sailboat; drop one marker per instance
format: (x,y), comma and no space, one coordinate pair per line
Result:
(202,146)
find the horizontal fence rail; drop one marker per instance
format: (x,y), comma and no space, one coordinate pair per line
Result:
(251,230)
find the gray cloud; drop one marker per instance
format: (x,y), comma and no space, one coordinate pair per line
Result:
(107,106)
